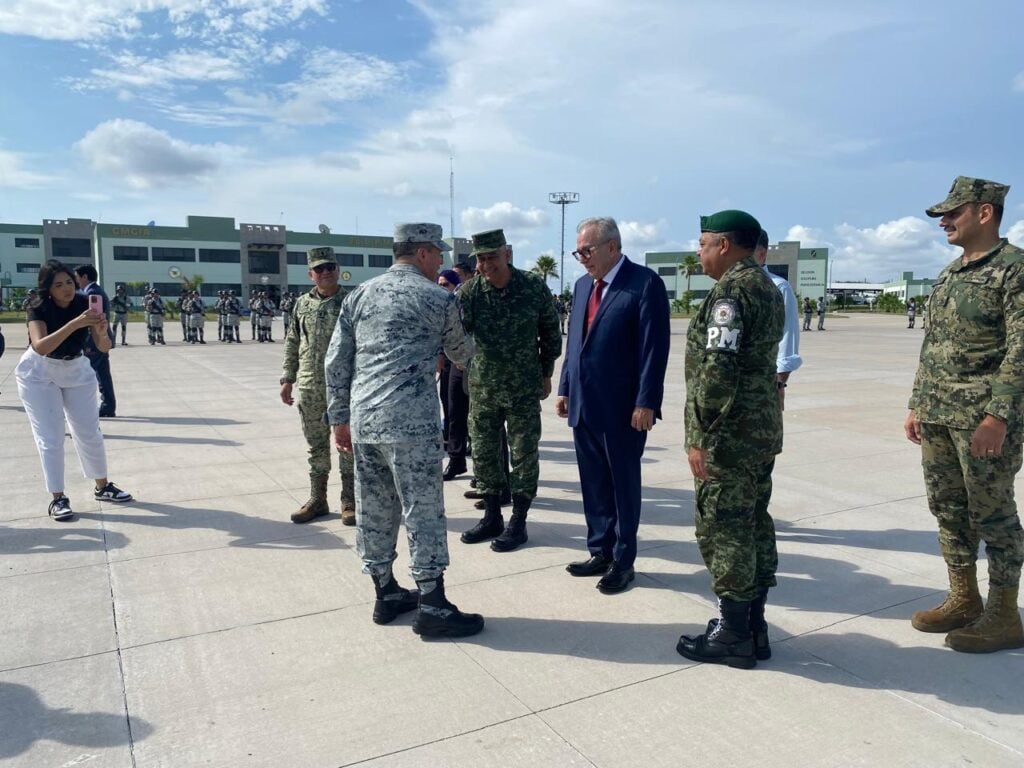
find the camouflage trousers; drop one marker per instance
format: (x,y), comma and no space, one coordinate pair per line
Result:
(312,407)
(972,500)
(522,421)
(396,482)
(735,533)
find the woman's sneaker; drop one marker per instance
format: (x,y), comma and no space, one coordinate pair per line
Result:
(111,492)
(60,508)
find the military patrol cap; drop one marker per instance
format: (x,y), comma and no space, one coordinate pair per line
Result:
(485,242)
(968,190)
(729,221)
(421,233)
(317,256)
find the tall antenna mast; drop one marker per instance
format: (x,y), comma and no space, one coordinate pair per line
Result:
(451,195)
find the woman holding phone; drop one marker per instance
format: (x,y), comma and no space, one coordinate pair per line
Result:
(55,381)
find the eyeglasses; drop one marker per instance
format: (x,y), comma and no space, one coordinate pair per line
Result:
(321,268)
(587,251)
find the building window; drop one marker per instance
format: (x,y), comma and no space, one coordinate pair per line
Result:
(173,254)
(169,291)
(25,267)
(700,294)
(26,242)
(211,290)
(72,248)
(220,255)
(380,260)
(264,263)
(352,260)
(666,271)
(779,270)
(131,253)
(297,259)
(671,295)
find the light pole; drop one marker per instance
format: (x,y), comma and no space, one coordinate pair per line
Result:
(563,199)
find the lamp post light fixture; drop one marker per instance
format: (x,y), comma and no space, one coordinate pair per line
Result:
(563,199)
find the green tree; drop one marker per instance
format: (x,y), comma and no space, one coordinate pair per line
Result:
(193,283)
(546,267)
(689,267)
(137,287)
(890,302)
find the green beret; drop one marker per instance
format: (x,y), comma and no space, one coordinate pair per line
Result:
(968,190)
(729,221)
(485,242)
(317,256)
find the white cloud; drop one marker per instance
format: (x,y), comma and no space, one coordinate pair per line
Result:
(503,215)
(881,252)
(638,237)
(142,156)
(14,175)
(89,20)
(132,71)
(1015,234)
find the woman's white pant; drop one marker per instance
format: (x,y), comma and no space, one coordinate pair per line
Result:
(52,390)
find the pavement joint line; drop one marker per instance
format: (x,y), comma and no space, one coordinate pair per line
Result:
(117,640)
(854,509)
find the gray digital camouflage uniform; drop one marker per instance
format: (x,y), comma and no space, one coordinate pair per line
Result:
(305,350)
(380,381)
(972,364)
(733,412)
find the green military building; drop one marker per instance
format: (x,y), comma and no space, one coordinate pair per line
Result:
(806,269)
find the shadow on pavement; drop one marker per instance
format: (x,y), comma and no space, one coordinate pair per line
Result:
(26,720)
(167,440)
(63,537)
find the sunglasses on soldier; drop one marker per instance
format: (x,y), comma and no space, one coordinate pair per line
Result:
(321,268)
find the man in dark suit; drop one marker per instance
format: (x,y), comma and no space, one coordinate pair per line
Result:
(85,276)
(611,391)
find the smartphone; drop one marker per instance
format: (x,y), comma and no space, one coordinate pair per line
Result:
(96,304)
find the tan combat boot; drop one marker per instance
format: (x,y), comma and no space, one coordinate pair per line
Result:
(348,512)
(961,606)
(999,628)
(316,505)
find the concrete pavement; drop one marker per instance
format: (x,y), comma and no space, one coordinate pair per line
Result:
(198,626)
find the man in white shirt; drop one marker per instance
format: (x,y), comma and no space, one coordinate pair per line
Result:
(788,359)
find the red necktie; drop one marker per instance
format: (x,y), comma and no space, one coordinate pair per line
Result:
(594,301)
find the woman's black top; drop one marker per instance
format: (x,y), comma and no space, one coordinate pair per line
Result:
(56,318)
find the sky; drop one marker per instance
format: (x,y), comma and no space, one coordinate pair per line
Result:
(833,123)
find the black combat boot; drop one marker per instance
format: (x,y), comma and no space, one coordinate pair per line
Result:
(439,618)
(514,535)
(160,337)
(491,525)
(506,498)
(729,641)
(202,338)
(392,600)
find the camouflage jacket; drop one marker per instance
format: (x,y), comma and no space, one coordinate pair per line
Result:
(382,360)
(517,333)
(120,305)
(155,306)
(305,344)
(972,358)
(732,405)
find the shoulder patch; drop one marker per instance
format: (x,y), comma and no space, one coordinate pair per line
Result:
(725,328)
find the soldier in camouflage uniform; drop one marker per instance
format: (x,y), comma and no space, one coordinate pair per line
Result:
(733,433)
(287,304)
(232,314)
(155,310)
(965,413)
(515,327)
(119,306)
(383,407)
(305,348)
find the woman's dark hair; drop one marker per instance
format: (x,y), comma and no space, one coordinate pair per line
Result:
(47,274)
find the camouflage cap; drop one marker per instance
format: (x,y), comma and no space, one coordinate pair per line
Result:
(317,256)
(729,221)
(421,233)
(485,242)
(968,190)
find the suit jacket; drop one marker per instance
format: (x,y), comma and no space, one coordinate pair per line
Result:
(620,363)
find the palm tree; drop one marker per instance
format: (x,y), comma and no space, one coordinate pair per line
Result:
(546,267)
(193,283)
(689,267)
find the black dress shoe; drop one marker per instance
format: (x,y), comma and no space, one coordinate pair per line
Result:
(595,566)
(616,580)
(453,470)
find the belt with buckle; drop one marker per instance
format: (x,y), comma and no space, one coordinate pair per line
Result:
(64,357)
